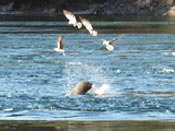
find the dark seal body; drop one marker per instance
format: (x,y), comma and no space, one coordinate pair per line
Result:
(81,88)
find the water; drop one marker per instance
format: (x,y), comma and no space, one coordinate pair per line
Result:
(35,80)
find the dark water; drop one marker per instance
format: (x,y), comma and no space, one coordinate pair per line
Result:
(35,80)
(87,125)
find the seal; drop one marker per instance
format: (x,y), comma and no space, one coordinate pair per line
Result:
(81,88)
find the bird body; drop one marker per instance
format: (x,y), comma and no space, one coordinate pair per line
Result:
(60,45)
(110,47)
(88,26)
(72,19)
(108,44)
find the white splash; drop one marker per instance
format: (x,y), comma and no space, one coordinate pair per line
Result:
(168,71)
(75,63)
(118,71)
(103,90)
(8,109)
(76,71)
(169,53)
(173,53)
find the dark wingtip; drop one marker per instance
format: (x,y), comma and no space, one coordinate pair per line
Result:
(81,18)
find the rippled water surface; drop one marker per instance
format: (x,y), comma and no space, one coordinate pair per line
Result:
(35,80)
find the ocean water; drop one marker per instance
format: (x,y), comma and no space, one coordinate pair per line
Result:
(35,80)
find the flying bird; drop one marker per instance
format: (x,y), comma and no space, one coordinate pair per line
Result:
(88,26)
(108,44)
(60,45)
(72,19)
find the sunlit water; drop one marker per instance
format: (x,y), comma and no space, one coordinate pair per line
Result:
(35,80)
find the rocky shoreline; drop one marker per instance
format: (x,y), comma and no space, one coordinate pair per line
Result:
(111,7)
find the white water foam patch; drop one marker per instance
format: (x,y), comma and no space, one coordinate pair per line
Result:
(104,90)
(163,70)
(168,70)
(8,109)
(90,72)
(169,53)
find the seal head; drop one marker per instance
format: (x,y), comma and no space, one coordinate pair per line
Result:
(81,88)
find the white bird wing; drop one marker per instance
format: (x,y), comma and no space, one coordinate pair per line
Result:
(105,42)
(86,23)
(70,16)
(60,42)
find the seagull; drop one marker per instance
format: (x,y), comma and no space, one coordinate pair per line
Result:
(108,44)
(60,46)
(72,19)
(88,26)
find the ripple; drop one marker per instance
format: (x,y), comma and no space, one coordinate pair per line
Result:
(35,80)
